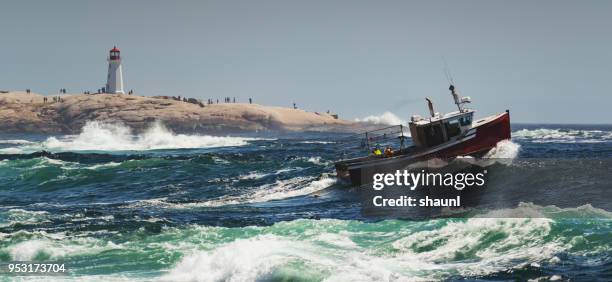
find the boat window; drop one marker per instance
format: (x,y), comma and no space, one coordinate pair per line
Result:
(452,128)
(434,135)
(465,120)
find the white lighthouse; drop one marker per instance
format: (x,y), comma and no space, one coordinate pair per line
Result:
(114,82)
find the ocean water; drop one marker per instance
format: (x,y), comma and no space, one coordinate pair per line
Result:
(160,206)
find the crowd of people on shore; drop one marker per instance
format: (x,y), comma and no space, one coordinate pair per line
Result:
(188,100)
(56,99)
(210,101)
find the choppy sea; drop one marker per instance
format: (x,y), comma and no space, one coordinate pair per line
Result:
(162,206)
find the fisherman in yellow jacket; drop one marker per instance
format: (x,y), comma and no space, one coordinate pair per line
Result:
(377,151)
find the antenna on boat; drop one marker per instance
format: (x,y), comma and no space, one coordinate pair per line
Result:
(458,100)
(447,72)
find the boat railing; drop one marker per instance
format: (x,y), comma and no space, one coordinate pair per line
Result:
(393,136)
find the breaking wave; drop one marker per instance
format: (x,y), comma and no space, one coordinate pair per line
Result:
(544,135)
(504,149)
(332,249)
(387,118)
(16,142)
(99,136)
(317,160)
(259,175)
(279,190)
(337,250)
(317,142)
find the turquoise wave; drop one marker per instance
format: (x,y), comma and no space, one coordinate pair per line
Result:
(327,249)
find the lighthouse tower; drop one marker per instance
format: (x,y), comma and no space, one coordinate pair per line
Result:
(114,82)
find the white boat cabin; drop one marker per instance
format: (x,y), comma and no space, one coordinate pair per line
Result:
(440,128)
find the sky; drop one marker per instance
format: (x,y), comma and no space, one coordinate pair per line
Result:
(546,61)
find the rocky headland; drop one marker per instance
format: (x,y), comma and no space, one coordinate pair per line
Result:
(30,112)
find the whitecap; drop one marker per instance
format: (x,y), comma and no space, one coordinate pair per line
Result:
(317,161)
(241,260)
(386,118)
(100,136)
(56,247)
(317,142)
(281,189)
(505,149)
(104,165)
(330,254)
(253,175)
(16,142)
(545,135)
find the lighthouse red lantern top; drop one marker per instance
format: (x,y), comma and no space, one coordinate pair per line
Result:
(115,53)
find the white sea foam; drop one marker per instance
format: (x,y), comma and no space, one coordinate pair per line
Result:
(241,260)
(27,250)
(45,162)
(104,165)
(99,136)
(504,149)
(259,175)
(259,257)
(387,118)
(338,240)
(16,142)
(317,142)
(253,175)
(477,246)
(23,217)
(317,160)
(338,250)
(56,247)
(544,135)
(520,239)
(281,189)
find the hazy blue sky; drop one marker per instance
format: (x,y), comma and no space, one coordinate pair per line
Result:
(546,61)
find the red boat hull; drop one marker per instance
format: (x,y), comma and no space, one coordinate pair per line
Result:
(487,136)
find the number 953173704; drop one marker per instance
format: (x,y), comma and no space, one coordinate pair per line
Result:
(34,268)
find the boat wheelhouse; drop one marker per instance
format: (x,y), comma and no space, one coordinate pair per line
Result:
(440,129)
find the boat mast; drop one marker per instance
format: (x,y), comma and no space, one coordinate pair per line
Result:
(456,97)
(458,101)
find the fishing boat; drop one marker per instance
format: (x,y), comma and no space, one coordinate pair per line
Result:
(438,136)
